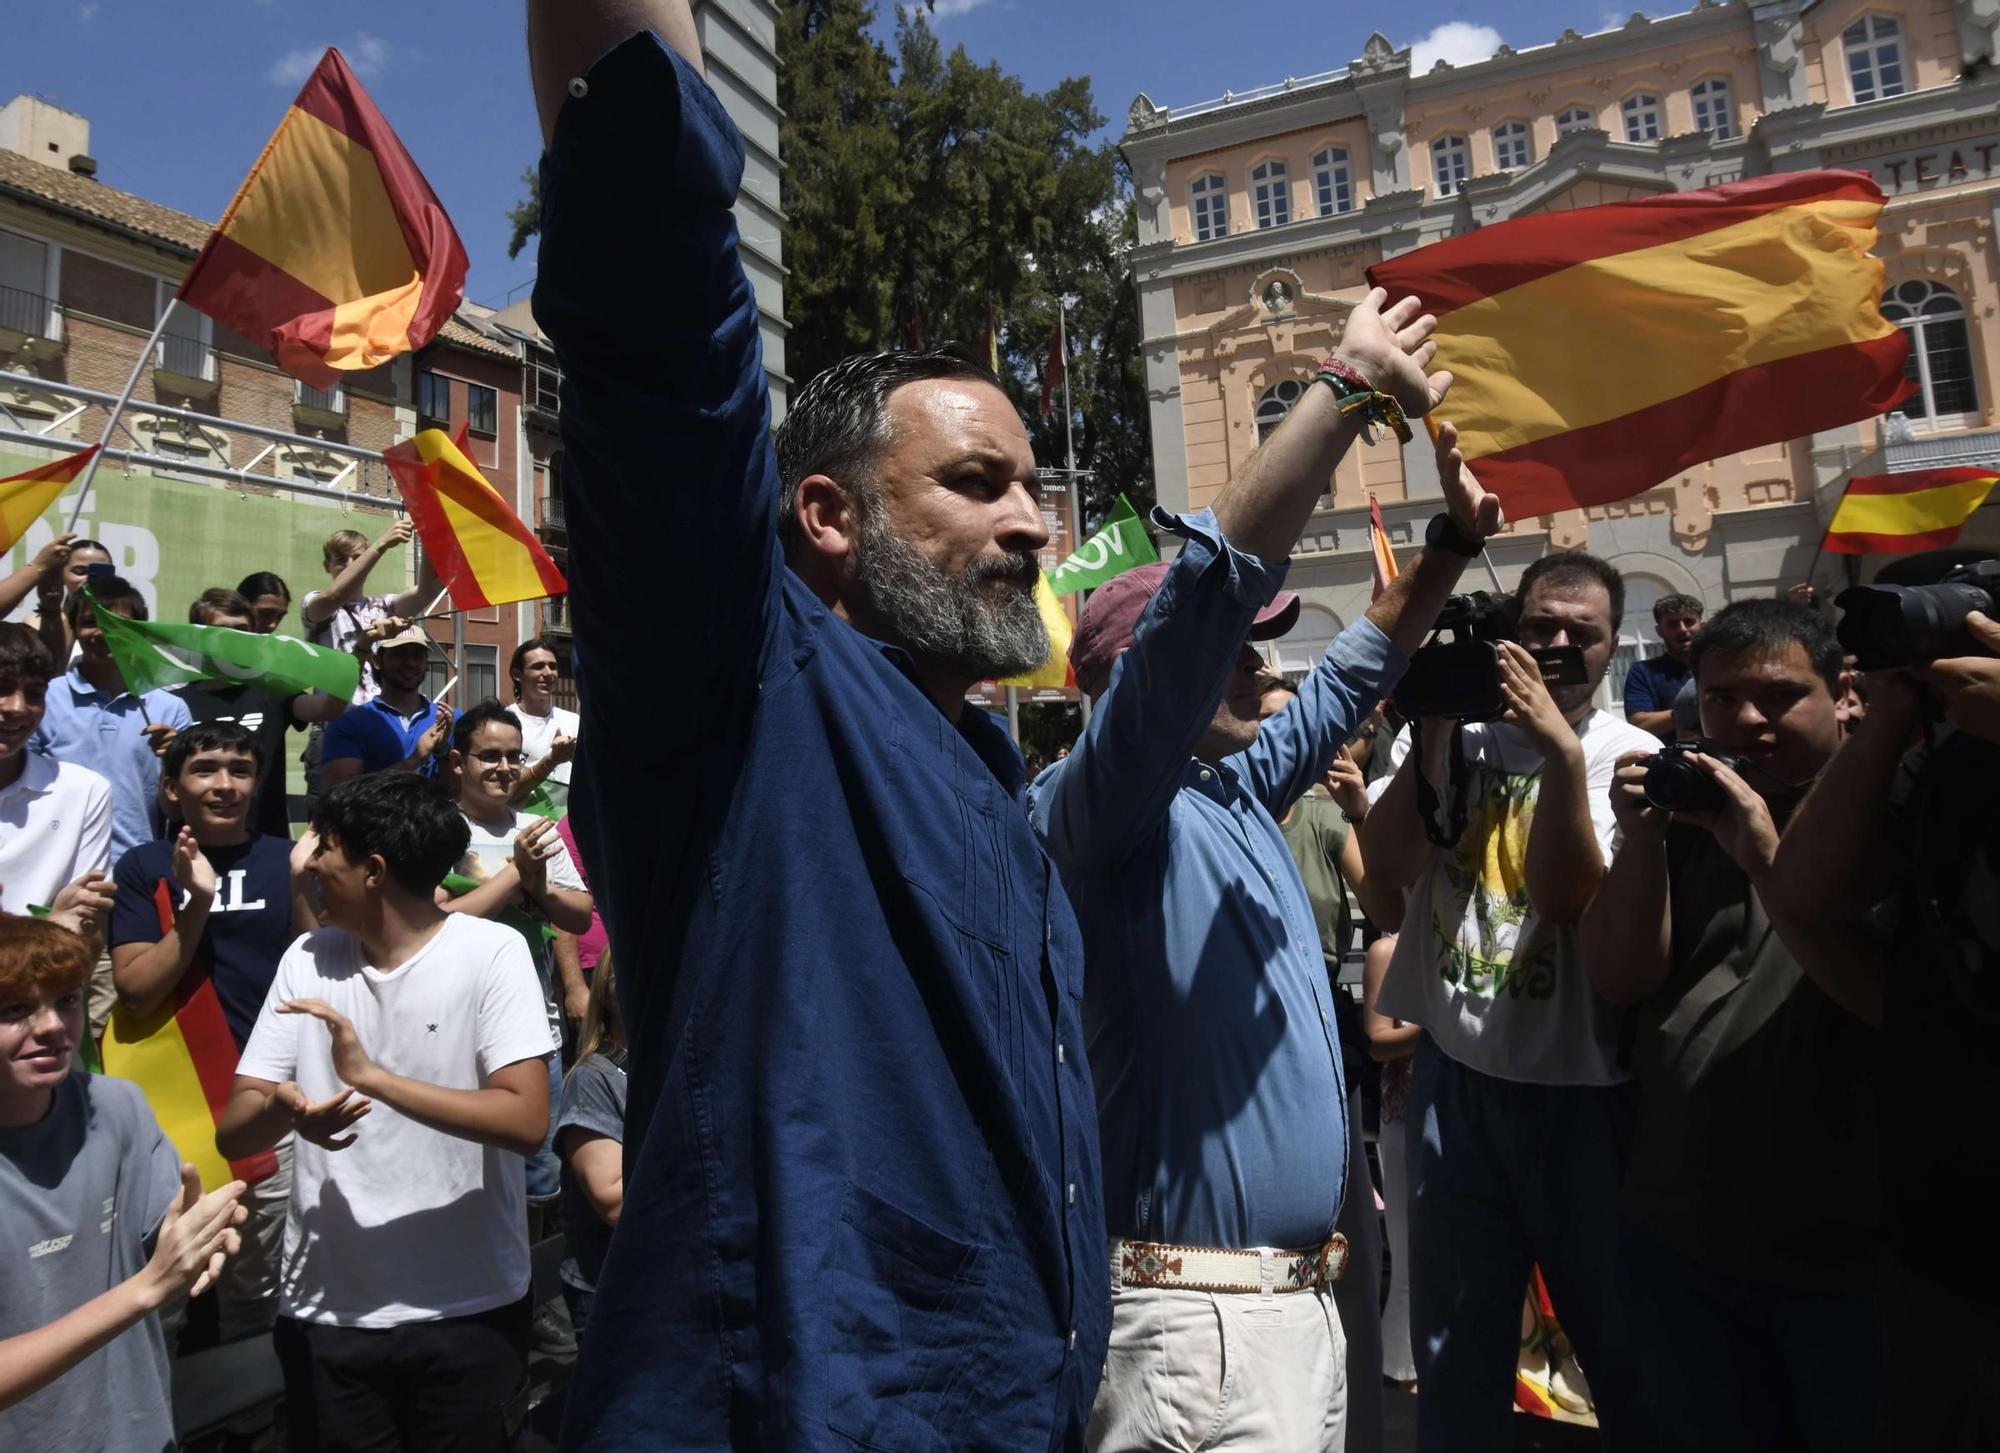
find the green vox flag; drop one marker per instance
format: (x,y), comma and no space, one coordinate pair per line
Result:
(1113,550)
(160,653)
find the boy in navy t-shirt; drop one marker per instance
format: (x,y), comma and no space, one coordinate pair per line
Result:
(198,926)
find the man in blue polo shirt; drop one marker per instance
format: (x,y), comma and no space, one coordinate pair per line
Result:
(399,728)
(1652,684)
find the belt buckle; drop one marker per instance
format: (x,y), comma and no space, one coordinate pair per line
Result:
(1332,1260)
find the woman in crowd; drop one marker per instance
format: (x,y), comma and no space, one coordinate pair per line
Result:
(590,1134)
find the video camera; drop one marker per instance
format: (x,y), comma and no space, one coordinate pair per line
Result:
(1676,784)
(1459,678)
(1885,626)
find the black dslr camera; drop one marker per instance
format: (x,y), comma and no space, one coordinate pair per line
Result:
(1459,678)
(1886,626)
(1675,784)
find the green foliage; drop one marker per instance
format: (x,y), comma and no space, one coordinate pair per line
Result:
(525,216)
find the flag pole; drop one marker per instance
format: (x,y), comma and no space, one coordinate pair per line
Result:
(111,423)
(1069,419)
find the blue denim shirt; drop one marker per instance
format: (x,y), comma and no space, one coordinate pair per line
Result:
(862,1201)
(1212,1036)
(106,733)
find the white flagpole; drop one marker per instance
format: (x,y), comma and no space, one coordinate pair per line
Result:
(1069,419)
(111,423)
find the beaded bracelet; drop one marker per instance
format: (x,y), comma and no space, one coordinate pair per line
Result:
(1354,394)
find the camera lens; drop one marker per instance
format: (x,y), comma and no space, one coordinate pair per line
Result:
(1901,625)
(1674,784)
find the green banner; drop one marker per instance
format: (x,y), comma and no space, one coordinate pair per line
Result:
(1118,547)
(161,653)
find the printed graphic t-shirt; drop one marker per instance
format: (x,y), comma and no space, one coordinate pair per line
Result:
(1499,989)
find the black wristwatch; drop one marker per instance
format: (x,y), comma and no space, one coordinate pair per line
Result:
(1443,534)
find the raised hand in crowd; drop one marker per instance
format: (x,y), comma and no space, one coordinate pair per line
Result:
(562,749)
(1530,707)
(400,533)
(197,1236)
(1346,785)
(159,736)
(42,576)
(84,903)
(1393,347)
(435,735)
(534,845)
(192,869)
(327,1123)
(350,1059)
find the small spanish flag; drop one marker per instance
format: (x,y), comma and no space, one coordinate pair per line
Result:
(1384,560)
(335,254)
(1599,351)
(183,1057)
(480,549)
(1899,514)
(24,496)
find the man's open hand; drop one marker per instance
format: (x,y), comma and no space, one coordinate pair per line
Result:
(1392,348)
(350,1060)
(1477,514)
(1970,685)
(1529,705)
(326,1123)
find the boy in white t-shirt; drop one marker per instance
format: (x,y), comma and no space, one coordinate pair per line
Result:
(1518,1107)
(548,731)
(407,1049)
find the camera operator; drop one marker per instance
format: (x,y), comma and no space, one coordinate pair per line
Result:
(1517,1104)
(1750,1177)
(1918,826)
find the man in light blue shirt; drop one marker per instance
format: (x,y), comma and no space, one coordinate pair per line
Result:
(1211,1034)
(91,720)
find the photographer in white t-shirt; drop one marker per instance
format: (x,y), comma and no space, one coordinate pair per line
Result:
(1517,1103)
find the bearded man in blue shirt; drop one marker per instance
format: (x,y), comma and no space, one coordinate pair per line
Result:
(862,1195)
(1211,1029)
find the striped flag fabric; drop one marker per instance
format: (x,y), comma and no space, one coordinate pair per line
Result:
(481,551)
(24,496)
(183,1057)
(1899,514)
(1599,351)
(1384,556)
(335,254)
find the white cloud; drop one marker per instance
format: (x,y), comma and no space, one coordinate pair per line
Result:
(946,9)
(1458,41)
(367,55)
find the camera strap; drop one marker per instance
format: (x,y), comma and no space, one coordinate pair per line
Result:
(1456,778)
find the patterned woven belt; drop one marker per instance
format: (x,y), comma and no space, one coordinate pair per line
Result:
(1207,1269)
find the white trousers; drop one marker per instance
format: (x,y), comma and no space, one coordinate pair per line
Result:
(1194,1370)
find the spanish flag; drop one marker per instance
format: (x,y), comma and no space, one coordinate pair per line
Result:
(1899,514)
(24,496)
(184,1058)
(1384,560)
(1600,351)
(478,546)
(335,254)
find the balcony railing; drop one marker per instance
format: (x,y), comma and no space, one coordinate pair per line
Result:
(24,312)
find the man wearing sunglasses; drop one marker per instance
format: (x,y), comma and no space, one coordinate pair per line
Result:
(515,871)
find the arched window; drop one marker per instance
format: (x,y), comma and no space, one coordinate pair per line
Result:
(1575,118)
(1512,146)
(1276,402)
(1940,350)
(1210,205)
(1333,184)
(1712,111)
(1874,46)
(1270,194)
(1451,161)
(1298,650)
(1642,117)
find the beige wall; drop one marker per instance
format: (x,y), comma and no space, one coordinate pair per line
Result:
(1930,44)
(1296,149)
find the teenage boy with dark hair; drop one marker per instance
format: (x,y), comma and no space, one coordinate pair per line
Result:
(211,906)
(103,1222)
(262,713)
(548,731)
(407,1048)
(91,719)
(55,817)
(1750,1175)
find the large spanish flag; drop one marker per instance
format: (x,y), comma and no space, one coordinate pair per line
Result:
(1897,514)
(24,496)
(1600,351)
(335,253)
(479,547)
(183,1057)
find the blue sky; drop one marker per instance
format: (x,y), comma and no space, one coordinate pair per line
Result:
(182,95)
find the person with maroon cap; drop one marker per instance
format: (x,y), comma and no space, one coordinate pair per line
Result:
(1211,1035)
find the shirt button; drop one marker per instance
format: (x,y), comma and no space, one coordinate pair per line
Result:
(1072,1193)
(1072,1339)
(1206,775)
(1062,1054)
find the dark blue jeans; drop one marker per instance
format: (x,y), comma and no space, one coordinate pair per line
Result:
(1505,1176)
(1735,1366)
